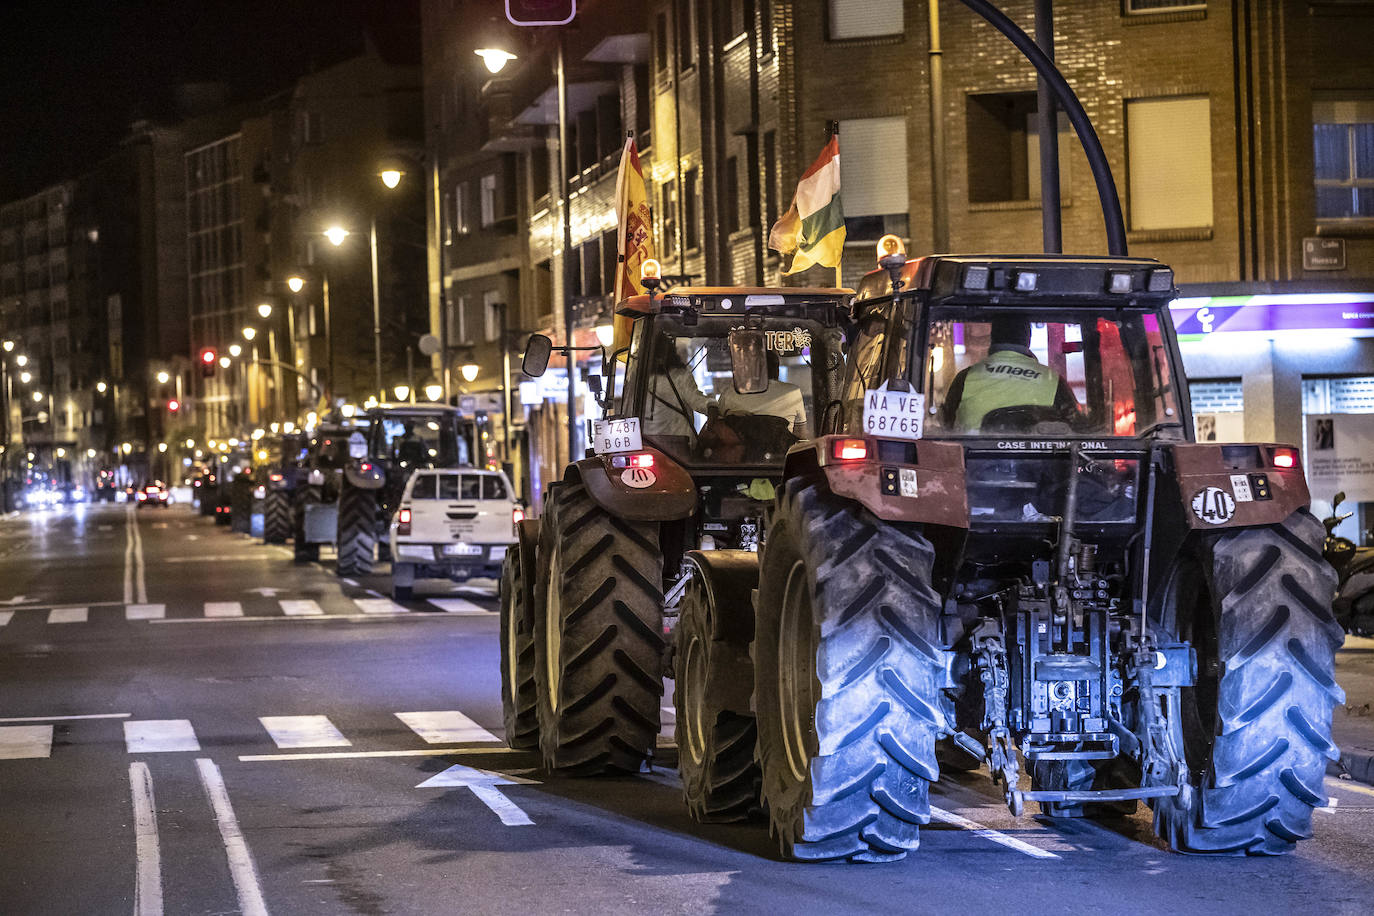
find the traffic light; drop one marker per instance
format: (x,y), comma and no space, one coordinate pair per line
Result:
(540,12)
(173,405)
(207,362)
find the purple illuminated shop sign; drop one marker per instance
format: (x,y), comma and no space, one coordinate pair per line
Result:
(1349,314)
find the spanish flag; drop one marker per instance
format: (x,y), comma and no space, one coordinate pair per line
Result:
(636,233)
(812,230)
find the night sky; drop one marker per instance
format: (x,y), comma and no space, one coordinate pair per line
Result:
(73,75)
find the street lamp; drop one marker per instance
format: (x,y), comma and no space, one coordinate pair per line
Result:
(25,377)
(494,58)
(101,387)
(336,235)
(38,397)
(225,362)
(21,360)
(9,346)
(295,283)
(434,391)
(235,350)
(265,309)
(402,392)
(390,177)
(469,371)
(163,377)
(249,333)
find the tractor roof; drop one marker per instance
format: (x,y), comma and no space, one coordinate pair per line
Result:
(1006,279)
(728,300)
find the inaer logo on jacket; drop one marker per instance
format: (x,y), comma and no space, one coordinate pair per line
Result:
(1005,378)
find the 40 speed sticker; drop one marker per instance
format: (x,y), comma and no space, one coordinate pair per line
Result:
(639,478)
(1214,506)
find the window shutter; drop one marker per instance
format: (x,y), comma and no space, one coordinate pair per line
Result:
(865,18)
(873,166)
(1169,161)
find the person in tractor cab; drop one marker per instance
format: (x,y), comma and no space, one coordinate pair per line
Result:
(1007,388)
(780,399)
(673,398)
(410,448)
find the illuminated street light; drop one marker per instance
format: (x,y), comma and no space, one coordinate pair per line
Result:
(225,362)
(434,391)
(90,453)
(469,371)
(62,453)
(235,349)
(101,387)
(9,346)
(162,446)
(21,360)
(190,443)
(494,58)
(162,377)
(402,392)
(249,333)
(605,334)
(391,177)
(265,309)
(295,284)
(126,448)
(336,235)
(37,397)
(25,377)
(348,410)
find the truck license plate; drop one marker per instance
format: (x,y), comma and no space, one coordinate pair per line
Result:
(462,550)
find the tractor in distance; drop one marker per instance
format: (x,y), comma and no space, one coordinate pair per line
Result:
(313,488)
(1010,551)
(703,397)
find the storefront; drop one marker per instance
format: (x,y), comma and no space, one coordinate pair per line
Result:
(1296,367)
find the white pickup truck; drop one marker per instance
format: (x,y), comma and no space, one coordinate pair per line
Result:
(452,523)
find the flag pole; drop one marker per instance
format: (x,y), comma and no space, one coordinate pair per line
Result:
(832,130)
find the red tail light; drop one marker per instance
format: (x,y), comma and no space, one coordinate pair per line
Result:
(276,478)
(403,522)
(642,461)
(850,449)
(1285,457)
(365,466)
(517,515)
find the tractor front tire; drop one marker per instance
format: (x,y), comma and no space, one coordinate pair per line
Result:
(1256,728)
(848,678)
(519,697)
(720,777)
(598,636)
(276,517)
(357,531)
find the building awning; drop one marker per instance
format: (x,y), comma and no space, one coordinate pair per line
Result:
(581,97)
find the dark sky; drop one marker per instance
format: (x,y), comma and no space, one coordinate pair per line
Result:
(74,74)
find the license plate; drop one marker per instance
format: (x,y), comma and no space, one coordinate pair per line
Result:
(462,550)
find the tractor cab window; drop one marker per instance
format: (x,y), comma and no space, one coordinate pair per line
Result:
(1076,374)
(418,442)
(688,405)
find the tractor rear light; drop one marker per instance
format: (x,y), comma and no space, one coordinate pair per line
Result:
(403,522)
(517,515)
(643,460)
(276,478)
(365,466)
(1285,457)
(850,449)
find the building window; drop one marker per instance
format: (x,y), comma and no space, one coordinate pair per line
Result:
(1169,162)
(458,327)
(448,224)
(766,26)
(661,42)
(731,194)
(668,217)
(488,200)
(686,34)
(865,19)
(460,209)
(873,177)
(770,178)
(1004,148)
(1343,158)
(491,315)
(1218,409)
(691,191)
(1163,6)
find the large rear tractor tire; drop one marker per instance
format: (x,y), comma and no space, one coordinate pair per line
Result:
(519,697)
(276,517)
(1256,728)
(357,531)
(301,551)
(848,678)
(715,738)
(598,636)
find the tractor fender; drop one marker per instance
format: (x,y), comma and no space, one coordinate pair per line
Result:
(661,493)
(371,479)
(729,578)
(938,496)
(1237,486)
(527,543)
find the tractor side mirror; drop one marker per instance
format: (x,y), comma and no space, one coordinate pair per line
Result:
(536,358)
(748,361)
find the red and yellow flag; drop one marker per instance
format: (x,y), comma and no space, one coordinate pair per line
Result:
(635,234)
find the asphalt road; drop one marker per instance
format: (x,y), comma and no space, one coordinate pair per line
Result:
(189,723)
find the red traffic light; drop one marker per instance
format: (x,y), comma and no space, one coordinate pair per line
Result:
(207,356)
(173,405)
(540,12)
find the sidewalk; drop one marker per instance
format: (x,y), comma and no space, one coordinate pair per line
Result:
(1352,725)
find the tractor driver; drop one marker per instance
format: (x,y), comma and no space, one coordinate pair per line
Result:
(674,399)
(1009,376)
(410,448)
(780,399)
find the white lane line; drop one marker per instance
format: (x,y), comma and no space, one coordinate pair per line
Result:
(303,731)
(145,612)
(987,833)
(1330,807)
(148,886)
(25,742)
(241,867)
(129,554)
(352,582)
(1349,785)
(68,615)
(6,617)
(159,736)
(140,568)
(380,606)
(359,755)
(320,618)
(460,606)
(223,609)
(445,727)
(302,608)
(98,715)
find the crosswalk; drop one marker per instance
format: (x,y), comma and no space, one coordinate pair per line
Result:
(254,609)
(35,740)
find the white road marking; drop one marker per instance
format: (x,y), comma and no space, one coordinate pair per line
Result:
(148,886)
(460,606)
(145,611)
(300,608)
(303,731)
(25,742)
(223,609)
(352,582)
(129,523)
(159,736)
(241,868)
(221,558)
(483,784)
(98,715)
(445,727)
(477,591)
(140,567)
(358,755)
(380,606)
(68,615)
(1349,785)
(987,833)
(6,617)
(1331,804)
(321,618)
